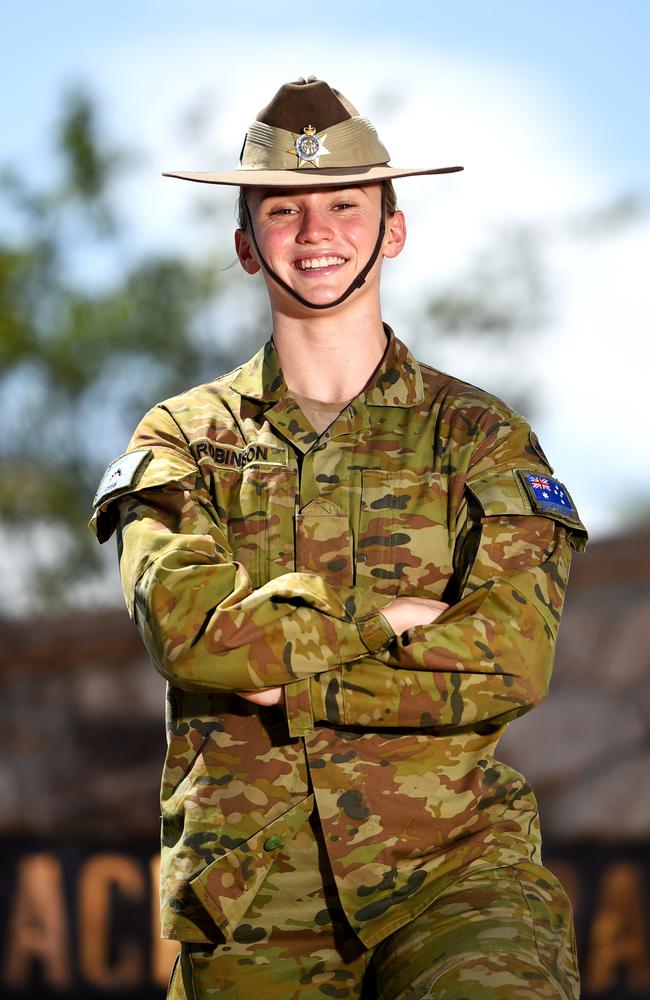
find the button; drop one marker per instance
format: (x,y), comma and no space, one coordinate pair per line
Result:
(272,843)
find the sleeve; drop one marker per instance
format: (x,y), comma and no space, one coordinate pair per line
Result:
(488,658)
(203,624)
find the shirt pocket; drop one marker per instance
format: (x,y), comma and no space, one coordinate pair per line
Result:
(403,540)
(323,543)
(256,506)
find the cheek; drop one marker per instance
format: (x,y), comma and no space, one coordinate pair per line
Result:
(362,233)
(274,240)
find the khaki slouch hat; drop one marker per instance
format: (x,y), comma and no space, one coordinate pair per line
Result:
(309,135)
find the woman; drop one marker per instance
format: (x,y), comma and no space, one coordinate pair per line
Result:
(350,568)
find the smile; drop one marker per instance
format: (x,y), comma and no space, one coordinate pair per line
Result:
(313,263)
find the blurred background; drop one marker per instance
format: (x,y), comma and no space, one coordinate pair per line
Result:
(525,274)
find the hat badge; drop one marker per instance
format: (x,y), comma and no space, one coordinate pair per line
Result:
(310,147)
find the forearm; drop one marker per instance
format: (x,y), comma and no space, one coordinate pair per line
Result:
(488,658)
(401,613)
(206,629)
(372,694)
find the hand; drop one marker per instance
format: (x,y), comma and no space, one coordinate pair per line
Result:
(407,612)
(266,696)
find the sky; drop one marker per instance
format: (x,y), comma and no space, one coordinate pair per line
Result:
(545,104)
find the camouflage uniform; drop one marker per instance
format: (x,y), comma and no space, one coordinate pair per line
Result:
(256,553)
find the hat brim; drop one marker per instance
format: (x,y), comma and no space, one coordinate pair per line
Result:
(299,178)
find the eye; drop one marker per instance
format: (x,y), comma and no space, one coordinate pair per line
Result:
(281,210)
(342,205)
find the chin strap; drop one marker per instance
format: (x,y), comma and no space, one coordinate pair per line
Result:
(356,283)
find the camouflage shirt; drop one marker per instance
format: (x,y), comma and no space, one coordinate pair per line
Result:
(256,553)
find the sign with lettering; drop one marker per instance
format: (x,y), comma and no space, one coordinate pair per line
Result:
(79,923)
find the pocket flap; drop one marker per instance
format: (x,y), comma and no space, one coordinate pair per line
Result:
(228,885)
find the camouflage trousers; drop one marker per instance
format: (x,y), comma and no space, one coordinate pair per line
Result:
(498,934)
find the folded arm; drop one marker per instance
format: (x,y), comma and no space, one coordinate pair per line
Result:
(204,625)
(488,658)
(402,613)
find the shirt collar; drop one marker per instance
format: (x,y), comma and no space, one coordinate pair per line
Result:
(396,382)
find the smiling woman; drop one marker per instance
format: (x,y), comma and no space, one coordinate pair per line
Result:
(350,568)
(322,233)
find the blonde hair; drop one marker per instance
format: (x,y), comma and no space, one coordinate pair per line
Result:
(390,202)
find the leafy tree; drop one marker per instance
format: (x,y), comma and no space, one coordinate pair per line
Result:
(92,334)
(82,359)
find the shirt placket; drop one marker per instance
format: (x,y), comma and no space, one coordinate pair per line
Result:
(324,536)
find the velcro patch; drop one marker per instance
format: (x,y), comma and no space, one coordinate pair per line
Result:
(548,496)
(122,474)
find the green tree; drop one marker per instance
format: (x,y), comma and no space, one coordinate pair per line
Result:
(93,333)
(85,350)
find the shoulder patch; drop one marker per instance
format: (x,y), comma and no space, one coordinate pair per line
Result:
(548,496)
(122,474)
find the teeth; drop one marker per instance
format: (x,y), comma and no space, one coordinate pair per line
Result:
(315,262)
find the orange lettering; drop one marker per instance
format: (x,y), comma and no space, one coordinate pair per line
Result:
(619,932)
(97,876)
(38,927)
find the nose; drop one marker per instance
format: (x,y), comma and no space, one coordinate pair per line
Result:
(315,225)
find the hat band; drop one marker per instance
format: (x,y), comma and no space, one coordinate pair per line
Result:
(352,143)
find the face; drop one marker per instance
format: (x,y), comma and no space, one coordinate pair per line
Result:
(318,241)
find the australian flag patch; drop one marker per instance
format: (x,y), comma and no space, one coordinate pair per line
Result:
(548,496)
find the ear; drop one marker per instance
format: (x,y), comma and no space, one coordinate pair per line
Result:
(245,252)
(395,236)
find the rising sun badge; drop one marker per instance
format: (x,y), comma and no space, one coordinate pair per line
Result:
(310,147)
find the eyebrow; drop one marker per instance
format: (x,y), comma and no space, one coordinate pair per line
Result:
(290,192)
